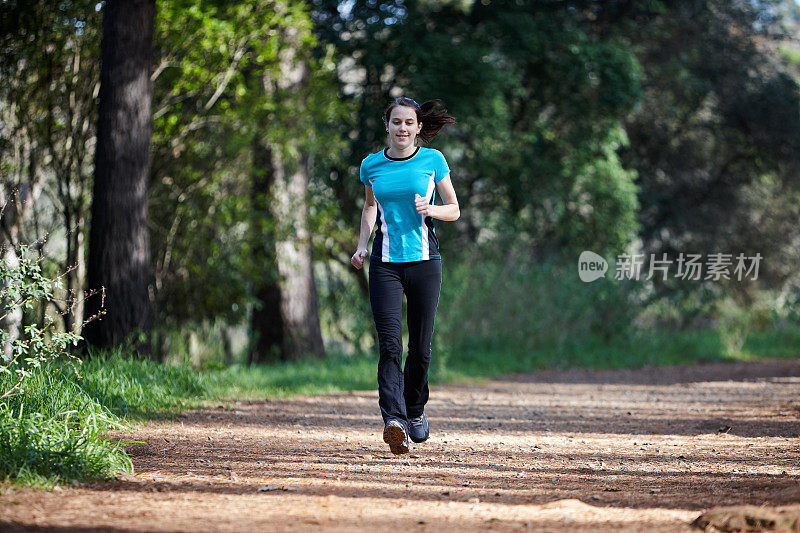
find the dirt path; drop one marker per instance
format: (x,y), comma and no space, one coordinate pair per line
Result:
(643,450)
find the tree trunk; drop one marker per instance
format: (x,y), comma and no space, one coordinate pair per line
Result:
(287,311)
(119,244)
(14,206)
(195,349)
(299,304)
(11,321)
(266,322)
(302,335)
(286,317)
(161,345)
(227,345)
(76,263)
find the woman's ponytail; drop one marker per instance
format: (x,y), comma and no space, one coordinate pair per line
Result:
(433,117)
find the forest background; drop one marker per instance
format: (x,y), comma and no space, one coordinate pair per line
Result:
(641,131)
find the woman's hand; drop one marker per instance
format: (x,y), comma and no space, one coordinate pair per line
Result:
(358,258)
(448,211)
(423,206)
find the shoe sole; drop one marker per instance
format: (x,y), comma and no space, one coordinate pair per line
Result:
(395,437)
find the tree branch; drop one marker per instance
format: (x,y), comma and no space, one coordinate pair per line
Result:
(226,77)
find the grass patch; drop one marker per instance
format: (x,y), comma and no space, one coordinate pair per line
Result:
(777,343)
(141,389)
(137,388)
(334,373)
(653,348)
(53,433)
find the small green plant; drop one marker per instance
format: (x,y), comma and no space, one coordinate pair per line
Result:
(50,428)
(23,285)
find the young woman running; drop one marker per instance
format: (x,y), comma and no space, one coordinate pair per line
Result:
(400,183)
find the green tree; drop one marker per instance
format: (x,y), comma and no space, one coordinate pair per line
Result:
(539,94)
(49,76)
(224,119)
(716,138)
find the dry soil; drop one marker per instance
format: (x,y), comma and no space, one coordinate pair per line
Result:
(579,450)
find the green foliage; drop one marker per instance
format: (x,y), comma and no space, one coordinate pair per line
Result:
(49,75)
(539,96)
(599,213)
(200,160)
(510,314)
(23,287)
(716,137)
(50,430)
(218,94)
(535,307)
(540,135)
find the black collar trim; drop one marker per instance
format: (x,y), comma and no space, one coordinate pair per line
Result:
(386,154)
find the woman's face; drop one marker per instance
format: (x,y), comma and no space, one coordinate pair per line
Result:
(403,126)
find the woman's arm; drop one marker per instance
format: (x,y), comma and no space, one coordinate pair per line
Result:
(368,216)
(449,211)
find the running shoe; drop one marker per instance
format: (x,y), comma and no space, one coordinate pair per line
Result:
(418,428)
(394,434)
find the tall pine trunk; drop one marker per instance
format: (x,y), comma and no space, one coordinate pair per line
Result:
(287,314)
(119,243)
(286,317)
(266,321)
(302,336)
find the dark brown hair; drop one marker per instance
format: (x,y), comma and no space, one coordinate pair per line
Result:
(432,115)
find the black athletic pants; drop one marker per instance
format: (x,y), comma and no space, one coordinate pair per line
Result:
(403,393)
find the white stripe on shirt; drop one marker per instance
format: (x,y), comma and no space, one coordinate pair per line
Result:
(385,233)
(423,227)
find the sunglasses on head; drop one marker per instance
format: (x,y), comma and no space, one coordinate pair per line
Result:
(404,99)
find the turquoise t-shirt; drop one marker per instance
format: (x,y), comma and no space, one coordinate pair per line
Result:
(402,234)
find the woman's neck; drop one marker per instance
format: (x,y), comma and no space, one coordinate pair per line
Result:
(398,153)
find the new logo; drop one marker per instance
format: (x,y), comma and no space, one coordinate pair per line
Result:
(591,266)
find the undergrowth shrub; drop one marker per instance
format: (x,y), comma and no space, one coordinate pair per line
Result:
(510,306)
(50,429)
(23,286)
